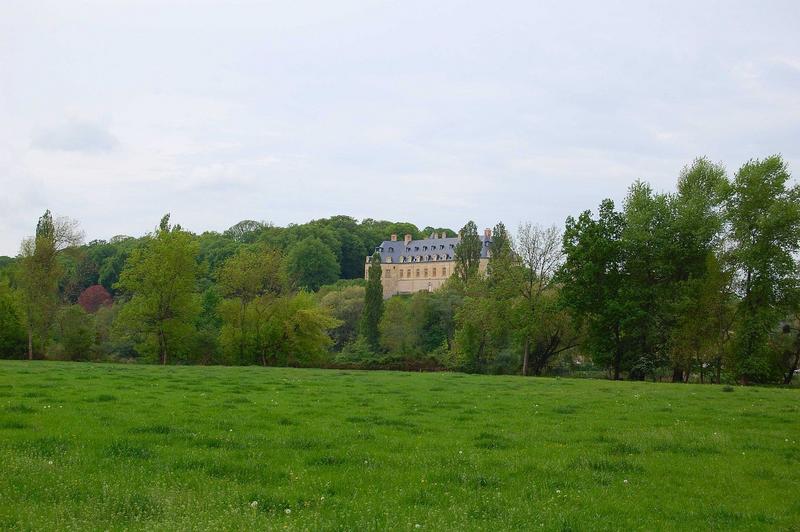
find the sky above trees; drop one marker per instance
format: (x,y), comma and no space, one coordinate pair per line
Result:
(114,113)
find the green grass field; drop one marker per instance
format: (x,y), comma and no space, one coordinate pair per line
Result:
(145,447)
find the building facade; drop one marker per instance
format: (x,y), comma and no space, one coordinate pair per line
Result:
(414,265)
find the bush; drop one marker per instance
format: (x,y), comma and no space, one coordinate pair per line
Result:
(506,362)
(12,332)
(74,334)
(357,352)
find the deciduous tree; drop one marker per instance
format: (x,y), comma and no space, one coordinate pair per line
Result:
(160,279)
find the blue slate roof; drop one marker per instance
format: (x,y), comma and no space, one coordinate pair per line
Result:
(425,250)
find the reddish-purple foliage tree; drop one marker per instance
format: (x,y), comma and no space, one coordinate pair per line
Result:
(94,297)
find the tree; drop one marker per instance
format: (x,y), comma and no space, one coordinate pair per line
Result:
(294,330)
(12,329)
(312,264)
(250,274)
(398,335)
(245,231)
(40,272)
(467,253)
(694,299)
(481,328)
(93,298)
(160,279)
(74,333)
(763,212)
(552,333)
(539,252)
(346,305)
(592,281)
(373,303)
(503,261)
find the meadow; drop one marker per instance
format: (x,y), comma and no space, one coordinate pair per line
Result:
(103,446)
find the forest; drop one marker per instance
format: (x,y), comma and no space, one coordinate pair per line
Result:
(699,284)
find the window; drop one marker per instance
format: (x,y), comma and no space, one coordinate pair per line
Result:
(388,272)
(426,272)
(434,272)
(424,248)
(408,273)
(417,272)
(444,272)
(391,250)
(401,274)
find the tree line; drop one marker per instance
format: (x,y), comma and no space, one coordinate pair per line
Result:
(700,284)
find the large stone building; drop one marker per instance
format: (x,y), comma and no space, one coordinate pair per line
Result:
(414,265)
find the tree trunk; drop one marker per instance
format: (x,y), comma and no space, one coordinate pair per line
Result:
(162,347)
(788,377)
(525,357)
(677,374)
(617,354)
(30,343)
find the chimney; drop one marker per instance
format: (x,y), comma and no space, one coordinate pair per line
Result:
(487,234)
(394,237)
(407,239)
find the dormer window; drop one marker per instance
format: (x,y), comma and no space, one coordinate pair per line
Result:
(391,250)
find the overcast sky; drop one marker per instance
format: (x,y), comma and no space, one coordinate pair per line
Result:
(433,112)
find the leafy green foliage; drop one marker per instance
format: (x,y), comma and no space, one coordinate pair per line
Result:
(373,303)
(467,253)
(764,215)
(74,333)
(12,329)
(311,264)
(160,279)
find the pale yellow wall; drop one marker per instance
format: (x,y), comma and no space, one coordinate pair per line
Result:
(393,284)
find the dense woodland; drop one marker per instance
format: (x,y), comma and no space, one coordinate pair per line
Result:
(697,285)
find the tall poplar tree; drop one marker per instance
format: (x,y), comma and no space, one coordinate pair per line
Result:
(40,273)
(373,303)
(468,253)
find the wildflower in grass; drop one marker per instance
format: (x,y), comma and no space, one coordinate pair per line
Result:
(625,481)
(288,511)
(254,504)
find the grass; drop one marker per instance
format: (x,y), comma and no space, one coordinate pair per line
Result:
(143,447)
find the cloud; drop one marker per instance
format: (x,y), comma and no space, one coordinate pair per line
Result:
(78,136)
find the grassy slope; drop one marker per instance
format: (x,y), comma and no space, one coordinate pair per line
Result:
(110,446)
